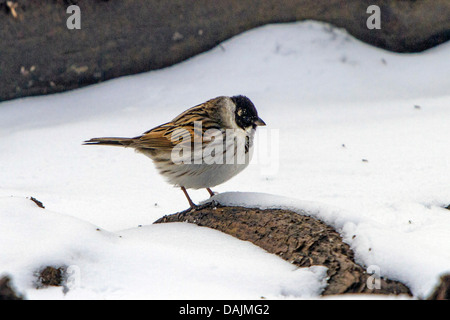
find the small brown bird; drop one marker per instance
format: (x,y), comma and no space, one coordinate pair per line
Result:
(203,147)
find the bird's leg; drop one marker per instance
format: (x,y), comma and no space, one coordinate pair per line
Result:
(211,193)
(192,204)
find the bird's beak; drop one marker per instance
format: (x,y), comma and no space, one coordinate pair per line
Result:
(260,122)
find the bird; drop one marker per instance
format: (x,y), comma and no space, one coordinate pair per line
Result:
(202,147)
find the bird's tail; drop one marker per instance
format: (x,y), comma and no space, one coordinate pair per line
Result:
(119,142)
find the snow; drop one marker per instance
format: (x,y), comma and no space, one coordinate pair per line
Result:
(329,102)
(149,262)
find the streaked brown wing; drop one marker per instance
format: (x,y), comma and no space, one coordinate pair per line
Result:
(156,138)
(188,127)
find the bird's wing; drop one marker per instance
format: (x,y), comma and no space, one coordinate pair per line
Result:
(188,127)
(157,138)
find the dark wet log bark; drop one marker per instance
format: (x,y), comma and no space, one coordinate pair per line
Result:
(39,55)
(442,291)
(299,239)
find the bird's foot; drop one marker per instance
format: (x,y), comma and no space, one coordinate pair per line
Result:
(192,209)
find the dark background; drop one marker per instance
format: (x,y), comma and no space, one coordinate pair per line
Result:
(39,55)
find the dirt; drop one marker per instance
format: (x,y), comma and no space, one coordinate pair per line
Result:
(37,202)
(6,290)
(50,276)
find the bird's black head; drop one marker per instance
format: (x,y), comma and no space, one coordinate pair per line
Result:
(246,114)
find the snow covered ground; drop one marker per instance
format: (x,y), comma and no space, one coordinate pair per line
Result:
(356,135)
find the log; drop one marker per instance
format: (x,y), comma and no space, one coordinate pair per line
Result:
(297,238)
(442,291)
(40,55)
